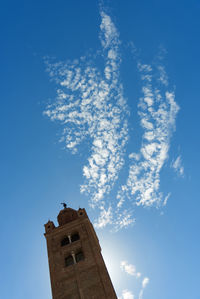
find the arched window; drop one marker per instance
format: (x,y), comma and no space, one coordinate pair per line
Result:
(69,261)
(75,237)
(79,256)
(65,241)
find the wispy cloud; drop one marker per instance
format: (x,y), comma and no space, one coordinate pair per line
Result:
(127,295)
(144,284)
(105,217)
(116,217)
(91,107)
(177,165)
(157,110)
(129,269)
(166,199)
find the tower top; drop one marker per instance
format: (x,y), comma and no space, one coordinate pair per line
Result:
(67,215)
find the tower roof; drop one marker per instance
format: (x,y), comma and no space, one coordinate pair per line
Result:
(66,215)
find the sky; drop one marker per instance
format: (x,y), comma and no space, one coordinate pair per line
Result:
(100,109)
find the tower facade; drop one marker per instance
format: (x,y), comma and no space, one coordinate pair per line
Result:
(77,268)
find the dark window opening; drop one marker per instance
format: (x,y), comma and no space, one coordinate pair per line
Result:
(69,261)
(75,237)
(79,256)
(65,241)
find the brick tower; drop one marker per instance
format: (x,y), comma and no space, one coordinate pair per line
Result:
(77,268)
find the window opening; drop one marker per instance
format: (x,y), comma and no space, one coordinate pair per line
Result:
(75,237)
(69,261)
(79,256)
(65,241)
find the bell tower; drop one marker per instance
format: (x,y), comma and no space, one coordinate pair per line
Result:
(77,268)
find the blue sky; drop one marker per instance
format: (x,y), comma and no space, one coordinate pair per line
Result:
(100,108)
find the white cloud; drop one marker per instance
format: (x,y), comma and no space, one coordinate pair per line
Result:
(129,269)
(144,284)
(134,156)
(109,34)
(163,75)
(157,110)
(178,166)
(127,295)
(105,218)
(166,199)
(141,294)
(123,218)
(91,106)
